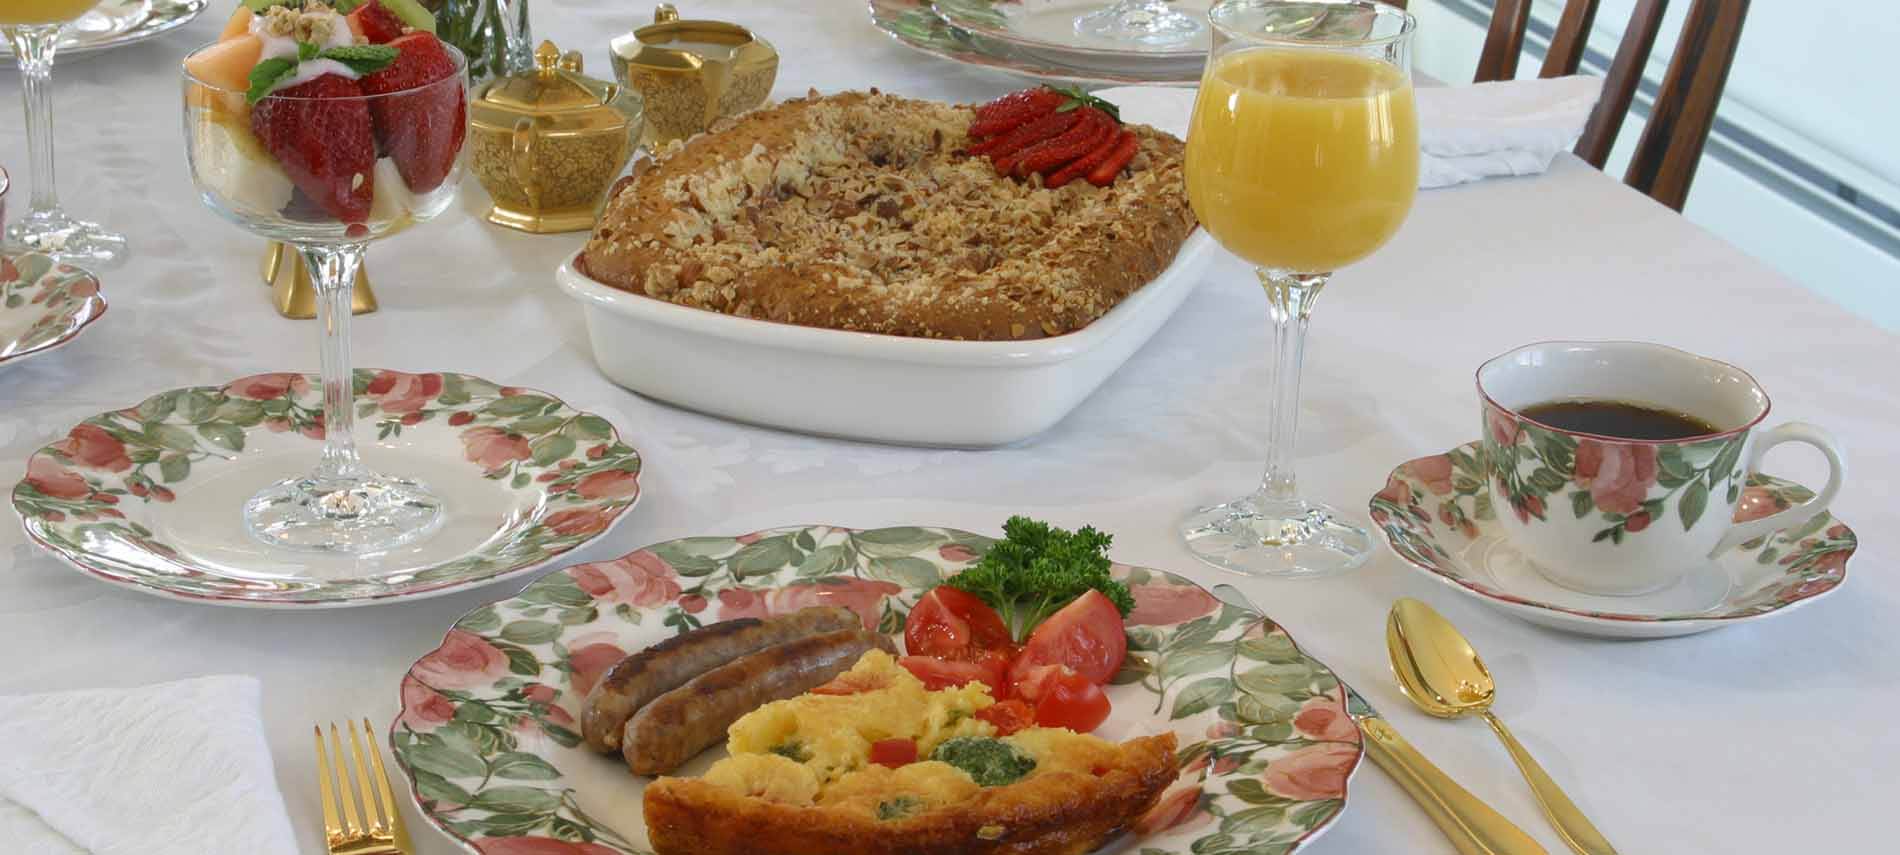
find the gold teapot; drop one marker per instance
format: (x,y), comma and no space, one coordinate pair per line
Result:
(548,144)
(693,72)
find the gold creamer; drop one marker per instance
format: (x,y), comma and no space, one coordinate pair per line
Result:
(692,73)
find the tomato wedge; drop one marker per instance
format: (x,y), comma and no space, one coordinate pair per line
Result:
(1070,700)
(1007,716)
(949,623)
(945,674)
(894,752)
(1086,635)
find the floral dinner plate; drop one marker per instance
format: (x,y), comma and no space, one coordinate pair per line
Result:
(1436,513)
(487,732)
(43,304)
(151,496)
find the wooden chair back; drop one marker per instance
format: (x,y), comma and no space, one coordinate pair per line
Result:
(1664,164)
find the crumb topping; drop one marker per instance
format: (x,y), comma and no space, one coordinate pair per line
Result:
(859,212)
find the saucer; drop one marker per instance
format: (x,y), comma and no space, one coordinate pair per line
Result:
(43,304)
(1436,513)
(151,496)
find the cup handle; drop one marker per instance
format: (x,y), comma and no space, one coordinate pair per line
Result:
(1807,434)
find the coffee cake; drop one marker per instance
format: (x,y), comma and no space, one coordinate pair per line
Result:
(858,211)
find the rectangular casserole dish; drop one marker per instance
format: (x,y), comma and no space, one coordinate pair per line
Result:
(884,388)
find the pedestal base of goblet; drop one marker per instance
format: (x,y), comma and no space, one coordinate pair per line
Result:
(343,515)
(1257,537)
(70,240)
(1147,22)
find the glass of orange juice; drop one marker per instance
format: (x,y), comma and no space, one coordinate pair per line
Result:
(1302,158)
(32,28)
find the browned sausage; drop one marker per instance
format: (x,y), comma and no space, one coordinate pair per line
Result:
(683,722)
(635,681)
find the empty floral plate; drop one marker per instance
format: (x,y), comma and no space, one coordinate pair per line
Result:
(43,304)
(487,732)
(1436,514)
(151,496)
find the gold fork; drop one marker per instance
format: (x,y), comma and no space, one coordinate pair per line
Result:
(369,833)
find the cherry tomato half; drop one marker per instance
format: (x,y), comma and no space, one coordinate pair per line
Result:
(948,623)
(894,752)
(944,674)
(1007,716)
(1085,635)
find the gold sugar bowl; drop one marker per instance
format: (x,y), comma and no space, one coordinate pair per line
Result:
(548,144)
(692,73)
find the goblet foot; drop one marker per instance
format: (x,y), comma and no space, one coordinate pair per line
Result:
(1257,537)
(351,516)
(70,240)
(1151,23)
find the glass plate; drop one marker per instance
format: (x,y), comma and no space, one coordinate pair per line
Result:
(1046,28)
(915,24)
(120,22)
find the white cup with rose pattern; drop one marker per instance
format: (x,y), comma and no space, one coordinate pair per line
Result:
(1618,516)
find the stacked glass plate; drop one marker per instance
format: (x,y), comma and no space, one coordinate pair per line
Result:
(1101,42)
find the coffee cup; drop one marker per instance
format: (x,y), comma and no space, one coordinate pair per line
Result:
(1613,514)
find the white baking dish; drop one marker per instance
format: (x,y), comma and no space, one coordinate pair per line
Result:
(868,386)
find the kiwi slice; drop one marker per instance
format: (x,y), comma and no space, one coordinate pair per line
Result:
(411,13)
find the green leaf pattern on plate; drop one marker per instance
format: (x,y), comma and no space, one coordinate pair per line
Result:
(59,297)
(72,497)
(489,717)
(1430,503)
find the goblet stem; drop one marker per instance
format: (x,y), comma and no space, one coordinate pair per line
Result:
(1290,299)
(333,273)
(33,48)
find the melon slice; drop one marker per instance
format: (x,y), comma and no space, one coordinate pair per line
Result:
(227,64)
(240,24)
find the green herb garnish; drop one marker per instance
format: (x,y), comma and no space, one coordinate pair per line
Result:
(266,75)
(792,749)
(897,808)
(1036,569)
(362,59)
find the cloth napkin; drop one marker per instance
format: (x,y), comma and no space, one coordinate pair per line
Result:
(176,768)
(1466,133)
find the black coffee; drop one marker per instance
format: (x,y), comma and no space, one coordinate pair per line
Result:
(1618,419)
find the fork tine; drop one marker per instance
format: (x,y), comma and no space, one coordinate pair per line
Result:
(351,823)
(376,825)
(332,829)
(385,790)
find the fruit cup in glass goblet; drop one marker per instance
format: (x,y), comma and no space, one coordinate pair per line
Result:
(313,136)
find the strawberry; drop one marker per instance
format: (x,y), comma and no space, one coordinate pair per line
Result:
(1084,164)
(319,132)
(421,131)
(1012,110)
(1104,173)
(1041,129)
(1088,134)
(376,23)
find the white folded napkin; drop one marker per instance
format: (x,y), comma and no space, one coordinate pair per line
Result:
(1466,133)
(173,768)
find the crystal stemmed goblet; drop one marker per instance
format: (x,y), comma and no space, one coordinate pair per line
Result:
(305,170)
(1302,157)
(32,28)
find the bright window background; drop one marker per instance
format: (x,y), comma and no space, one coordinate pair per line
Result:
(1803,171)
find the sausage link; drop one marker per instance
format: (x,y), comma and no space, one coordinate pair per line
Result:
(672,729)
(635,681)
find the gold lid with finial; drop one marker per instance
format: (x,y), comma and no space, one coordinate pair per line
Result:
(549,143)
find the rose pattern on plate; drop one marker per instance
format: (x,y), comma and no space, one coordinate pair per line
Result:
(77,490)
(60,299)
(1263,766)
(1628,485)
(1421,519)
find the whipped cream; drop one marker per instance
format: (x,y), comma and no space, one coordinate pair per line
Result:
(340,35)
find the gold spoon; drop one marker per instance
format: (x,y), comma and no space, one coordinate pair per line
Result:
(1440,672)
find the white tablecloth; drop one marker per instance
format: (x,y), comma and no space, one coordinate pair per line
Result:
(1772,737)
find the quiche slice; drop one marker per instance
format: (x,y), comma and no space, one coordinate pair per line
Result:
(799,780)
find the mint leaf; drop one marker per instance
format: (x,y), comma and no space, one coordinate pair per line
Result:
(344,7)
(267,75)
(306,51)
(260,6)
(362,59)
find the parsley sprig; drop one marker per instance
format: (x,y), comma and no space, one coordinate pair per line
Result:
(1036,569)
